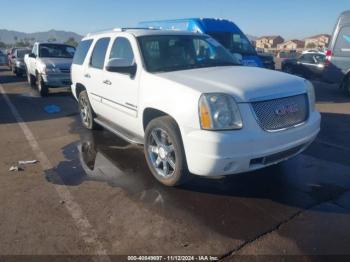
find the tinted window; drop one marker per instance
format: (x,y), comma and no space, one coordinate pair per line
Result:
(180,52)
(56,50)
(99,53)
(81,52)
(234,42)
(21,53)
(342,46)
(121,49)
(308,58)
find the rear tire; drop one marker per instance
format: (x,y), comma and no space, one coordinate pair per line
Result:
(86,112)
(42,87)
(164,152)
(346,85)
(288,69)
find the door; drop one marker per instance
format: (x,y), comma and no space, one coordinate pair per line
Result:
(94,74)
(311,64)
(306,65)
(32,61)
(120,92)
(340,61)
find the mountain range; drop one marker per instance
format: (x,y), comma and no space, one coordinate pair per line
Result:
(10,37)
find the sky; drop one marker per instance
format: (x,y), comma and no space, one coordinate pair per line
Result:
(289,18)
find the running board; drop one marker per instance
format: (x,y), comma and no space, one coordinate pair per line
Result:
(119,131)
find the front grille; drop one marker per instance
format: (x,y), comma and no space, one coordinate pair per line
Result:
(66,70)
(281,113)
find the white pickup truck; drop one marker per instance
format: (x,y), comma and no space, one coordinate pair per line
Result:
(48,65)
(187,100)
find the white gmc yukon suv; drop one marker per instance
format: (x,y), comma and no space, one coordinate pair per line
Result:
(185,98)
(48,65)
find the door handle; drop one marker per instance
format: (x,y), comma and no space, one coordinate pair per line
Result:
(87,76)
(107,82)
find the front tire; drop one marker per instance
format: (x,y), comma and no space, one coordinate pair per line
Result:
(42,87)
(164,152)
(86,112)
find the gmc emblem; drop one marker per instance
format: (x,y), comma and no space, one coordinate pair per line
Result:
(286,109)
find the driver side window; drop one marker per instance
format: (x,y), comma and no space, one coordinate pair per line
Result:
(122,50)
(308,58)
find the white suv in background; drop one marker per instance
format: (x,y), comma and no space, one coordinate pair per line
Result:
(195,109)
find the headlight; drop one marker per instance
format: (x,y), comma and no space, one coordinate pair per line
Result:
(311,95)
(219,112)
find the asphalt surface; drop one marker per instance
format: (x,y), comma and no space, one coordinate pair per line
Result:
(92,193)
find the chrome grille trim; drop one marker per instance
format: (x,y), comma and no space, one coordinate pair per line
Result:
(266,112)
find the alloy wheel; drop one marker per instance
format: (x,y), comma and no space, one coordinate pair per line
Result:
(85,111)
(161,153)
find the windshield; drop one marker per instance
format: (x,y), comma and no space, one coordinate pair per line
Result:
(163,53)
(234,42)
(21,53)
(56,50)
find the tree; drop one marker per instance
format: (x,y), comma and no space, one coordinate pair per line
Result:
(71,41)
(3,45)
(311,45)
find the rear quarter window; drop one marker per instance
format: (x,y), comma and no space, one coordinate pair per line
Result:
(342,45)
(82,50)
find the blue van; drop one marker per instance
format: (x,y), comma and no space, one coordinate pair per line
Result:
(224,31)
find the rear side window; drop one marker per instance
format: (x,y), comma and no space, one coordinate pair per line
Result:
(308,58)
(99,53)
(342,46)
(82,50)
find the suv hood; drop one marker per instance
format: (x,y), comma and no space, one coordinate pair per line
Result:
(244,83)
(63,63)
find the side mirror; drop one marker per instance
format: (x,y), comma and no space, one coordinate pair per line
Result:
(122,66)
(31,55)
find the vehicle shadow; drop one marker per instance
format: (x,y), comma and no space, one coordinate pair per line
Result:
(7,79)
(326,93)
(244,200)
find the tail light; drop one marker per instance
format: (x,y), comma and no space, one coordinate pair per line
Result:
(328,57)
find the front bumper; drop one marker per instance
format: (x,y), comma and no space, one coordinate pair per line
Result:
(57,80)
(210,153)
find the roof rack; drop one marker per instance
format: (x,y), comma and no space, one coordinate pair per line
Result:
(121,29)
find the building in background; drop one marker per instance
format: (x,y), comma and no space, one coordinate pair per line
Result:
(318,41)
(268,43)
(291,45)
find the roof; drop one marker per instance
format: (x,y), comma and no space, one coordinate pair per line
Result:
(202,25)
(294,41)
(344,18)
(317,36)
(270,37)
(141,32)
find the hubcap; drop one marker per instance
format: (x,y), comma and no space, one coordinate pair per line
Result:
(161,152)
(84,111)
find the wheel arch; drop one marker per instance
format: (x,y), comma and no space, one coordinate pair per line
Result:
(78,89)
(150,113)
